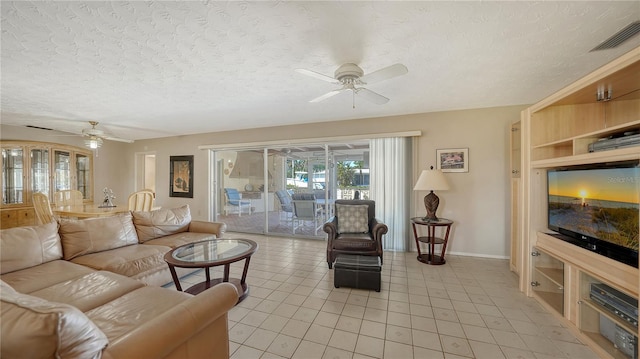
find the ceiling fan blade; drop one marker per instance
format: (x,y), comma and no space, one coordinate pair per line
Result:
(317,75)
(327,95)
(117,139)
(384,74)
(371,96)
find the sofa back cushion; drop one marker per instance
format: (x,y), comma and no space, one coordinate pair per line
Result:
(24,247)
(33,327)
(80,237)
(161,222)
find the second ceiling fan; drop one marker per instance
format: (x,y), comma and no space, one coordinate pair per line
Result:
(351,77)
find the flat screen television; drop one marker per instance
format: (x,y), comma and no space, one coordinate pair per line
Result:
(597,207)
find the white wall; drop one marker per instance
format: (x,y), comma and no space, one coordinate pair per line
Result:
(477,201)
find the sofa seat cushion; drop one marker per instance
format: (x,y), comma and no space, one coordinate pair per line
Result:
(80,237)
(44,275)
(89,291)
(134,261)
(354,241)
(162,222)
(122,315)
(33,327)
(25,247)
(178,239)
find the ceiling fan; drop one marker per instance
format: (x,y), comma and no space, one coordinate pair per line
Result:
(351,77)
(95,136)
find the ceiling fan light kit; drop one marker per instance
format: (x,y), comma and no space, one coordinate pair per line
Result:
(93,142)
(352,77)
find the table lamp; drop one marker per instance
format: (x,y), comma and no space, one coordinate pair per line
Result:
(431,180)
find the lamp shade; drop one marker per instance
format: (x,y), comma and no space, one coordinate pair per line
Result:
(431,180)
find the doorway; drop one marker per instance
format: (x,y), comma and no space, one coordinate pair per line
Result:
(145,171)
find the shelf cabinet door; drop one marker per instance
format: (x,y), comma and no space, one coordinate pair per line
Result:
(516,151)
(73,170)
(83,175)
(13,176)
(548,279)
(62,166)
(40,170)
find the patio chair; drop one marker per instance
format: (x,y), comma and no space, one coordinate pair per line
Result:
(235,203)
(286,206)
(305,209)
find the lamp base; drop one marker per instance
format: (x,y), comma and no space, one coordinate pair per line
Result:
(431,202)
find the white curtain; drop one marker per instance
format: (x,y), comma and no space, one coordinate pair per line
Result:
(390,164)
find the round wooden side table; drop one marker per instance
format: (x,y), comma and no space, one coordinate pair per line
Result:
(431,239)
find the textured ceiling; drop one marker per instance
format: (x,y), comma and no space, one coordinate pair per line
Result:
(155,69)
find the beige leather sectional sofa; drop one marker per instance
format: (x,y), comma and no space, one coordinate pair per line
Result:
(90,289)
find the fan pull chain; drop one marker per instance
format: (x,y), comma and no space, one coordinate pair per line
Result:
(354,99)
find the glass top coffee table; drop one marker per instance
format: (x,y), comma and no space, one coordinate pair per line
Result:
(212,253)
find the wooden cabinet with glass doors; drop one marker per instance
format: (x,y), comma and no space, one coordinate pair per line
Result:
(30,167)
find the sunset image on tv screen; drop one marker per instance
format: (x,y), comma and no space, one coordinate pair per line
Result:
(598,203)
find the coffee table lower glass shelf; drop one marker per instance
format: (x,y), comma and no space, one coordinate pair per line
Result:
(212,253)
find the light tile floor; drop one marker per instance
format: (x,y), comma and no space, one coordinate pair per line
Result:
(468,308)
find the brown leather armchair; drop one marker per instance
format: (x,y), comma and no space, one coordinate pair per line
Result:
(369,243)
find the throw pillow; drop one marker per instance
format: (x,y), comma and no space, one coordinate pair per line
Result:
(161,222)
(352,218)
(33,327)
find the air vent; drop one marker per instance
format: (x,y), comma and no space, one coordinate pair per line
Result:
(623,35)
(39,128)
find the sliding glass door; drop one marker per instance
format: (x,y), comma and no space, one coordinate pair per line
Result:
(287,190)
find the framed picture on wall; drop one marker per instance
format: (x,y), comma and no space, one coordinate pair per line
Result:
(181,176)
(453,159)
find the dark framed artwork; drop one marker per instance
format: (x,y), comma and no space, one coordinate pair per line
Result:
(453,160)
(181,176)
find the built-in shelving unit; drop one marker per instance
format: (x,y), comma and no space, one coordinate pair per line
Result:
(557,132)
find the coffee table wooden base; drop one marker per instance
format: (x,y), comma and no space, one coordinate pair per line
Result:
(243,288)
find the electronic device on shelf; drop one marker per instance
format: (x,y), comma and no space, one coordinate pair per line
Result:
(628,139)
(591,205)
(621,339)
(621,305)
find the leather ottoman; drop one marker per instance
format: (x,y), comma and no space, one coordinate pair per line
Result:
(356,271)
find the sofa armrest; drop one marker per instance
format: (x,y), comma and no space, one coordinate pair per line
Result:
(217,228)
(168,334)
(378,230)
(331,228)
